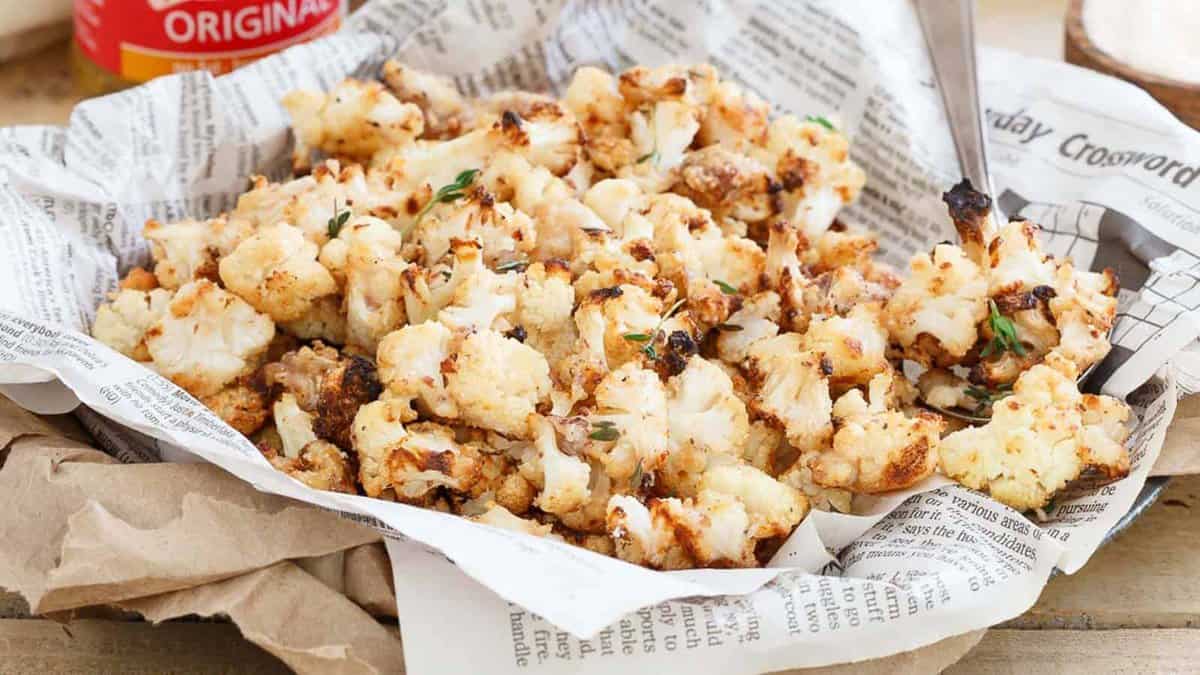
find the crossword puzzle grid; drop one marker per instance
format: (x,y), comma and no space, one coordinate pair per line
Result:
(1173,288)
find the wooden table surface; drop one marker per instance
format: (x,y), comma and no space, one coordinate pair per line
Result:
(1133,608)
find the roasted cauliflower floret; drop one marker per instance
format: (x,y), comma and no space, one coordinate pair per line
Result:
(661,135)
(705,416)
(122,322)
(876,449)
(593,97)
(366,254)
(734,118)
(758,319)
(727,183)
(502,231)
(207,338)
(189,249)
(497,382)
(633,402)
(821,498)
(564,478)
(1017,261)
(293,424)
(354,120)
(411,369)
(812,163)
(792,389)
(410,462)
(712,530)
(545,305)
(1039,439)
(319,465)
(447,113)
(240,404)
(1084,308)
(276,271)
(498,516)
(774,508)
(481,298)
(856,344)
(935,311)
(543,132)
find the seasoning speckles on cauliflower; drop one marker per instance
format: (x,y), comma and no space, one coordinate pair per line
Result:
(632,401)
(792,389)
(497,382)
(189,249)
(710,530)
(207,337)
(122,322)
(276,271)
(354,120)
(875,449)
(1039,439)
(935,311)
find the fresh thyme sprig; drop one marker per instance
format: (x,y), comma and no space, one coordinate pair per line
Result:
(511,265)
(648,338)
(604,430)
(1004,334)
(822,121)
(985,397)
(636,479)
(449,193)
(337,221)
(726,288)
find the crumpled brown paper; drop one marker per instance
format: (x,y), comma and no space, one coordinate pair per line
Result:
(171,540)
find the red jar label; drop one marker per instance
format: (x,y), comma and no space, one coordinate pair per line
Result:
(142,39)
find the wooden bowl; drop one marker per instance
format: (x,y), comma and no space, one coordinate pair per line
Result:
(1181,98)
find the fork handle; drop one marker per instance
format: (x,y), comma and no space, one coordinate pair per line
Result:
(949,27)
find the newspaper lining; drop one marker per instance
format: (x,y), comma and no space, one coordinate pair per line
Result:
(1109,173)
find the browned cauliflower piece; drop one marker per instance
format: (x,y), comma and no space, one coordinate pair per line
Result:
(934,313)
(411,369)
(319,465)
(207,338)
(775,508)
(758,319)
(632,402)
(876,449)
(1084,309)
(240,404)
(562,479)
(366,254)
(712,530)
(447,113)
(189,249)
(354,120)
(502,231)
(792,389)
(497,382)
(122,322)
(409,462)
(705,417)
(596,102)
(734,117)
(276,271)
(327,386)
(856,344)
(1039,439)
(728,183)
(812,163)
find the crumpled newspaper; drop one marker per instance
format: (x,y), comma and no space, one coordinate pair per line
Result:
(1111,185)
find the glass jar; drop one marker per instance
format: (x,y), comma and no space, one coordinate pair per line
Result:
(120,43)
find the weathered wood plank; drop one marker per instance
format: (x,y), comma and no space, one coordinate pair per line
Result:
(103,647)
(1144,578)
(1066,652)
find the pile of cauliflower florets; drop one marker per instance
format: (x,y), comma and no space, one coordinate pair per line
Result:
(628,319)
